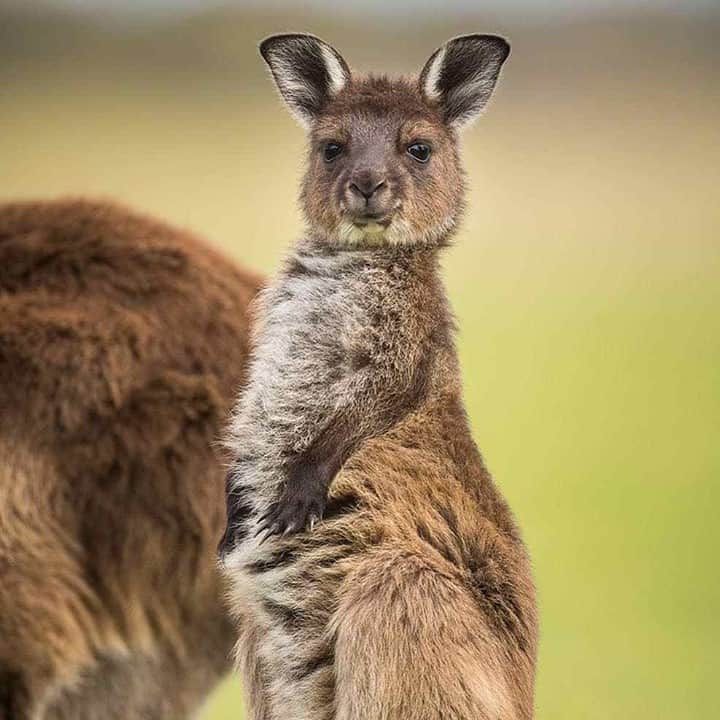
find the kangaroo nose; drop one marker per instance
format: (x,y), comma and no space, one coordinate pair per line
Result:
(366,187)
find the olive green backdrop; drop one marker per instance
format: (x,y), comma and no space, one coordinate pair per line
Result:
(586,279)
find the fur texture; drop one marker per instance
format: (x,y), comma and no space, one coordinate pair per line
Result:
(121,339)
(412,598)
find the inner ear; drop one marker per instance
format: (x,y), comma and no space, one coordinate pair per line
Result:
(461,75)
(307,72)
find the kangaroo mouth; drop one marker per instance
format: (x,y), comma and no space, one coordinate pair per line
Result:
(370,222)
(367,227)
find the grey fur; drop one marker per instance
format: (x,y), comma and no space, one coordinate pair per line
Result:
(334,348)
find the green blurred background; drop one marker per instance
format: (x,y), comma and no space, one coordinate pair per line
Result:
(586,278)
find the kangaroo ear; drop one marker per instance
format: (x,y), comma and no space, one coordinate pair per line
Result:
(461,75)
(307,72)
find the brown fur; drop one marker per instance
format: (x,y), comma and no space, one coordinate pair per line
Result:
(412,598)
(121,341)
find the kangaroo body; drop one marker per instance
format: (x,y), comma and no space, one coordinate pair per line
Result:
(114,377)
(376,568)
(338,359)
(412,598)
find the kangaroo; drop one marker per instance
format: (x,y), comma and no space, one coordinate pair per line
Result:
(377,571)
(119,345)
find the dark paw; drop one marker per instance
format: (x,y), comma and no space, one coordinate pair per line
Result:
(293,512)
(15,698)
(229,541)
(238,513)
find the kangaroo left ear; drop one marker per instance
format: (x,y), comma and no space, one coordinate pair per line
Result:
(306,70)
(461,76)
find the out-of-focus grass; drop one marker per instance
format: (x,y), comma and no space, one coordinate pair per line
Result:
(586,282)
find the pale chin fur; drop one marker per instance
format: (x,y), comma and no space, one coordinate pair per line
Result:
(398,232)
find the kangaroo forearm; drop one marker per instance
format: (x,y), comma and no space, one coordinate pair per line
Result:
(304,496)
(301,501)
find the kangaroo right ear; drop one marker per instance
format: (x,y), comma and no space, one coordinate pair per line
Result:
(307,72)
(461,75)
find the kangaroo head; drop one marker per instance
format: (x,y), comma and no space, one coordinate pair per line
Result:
(383,164)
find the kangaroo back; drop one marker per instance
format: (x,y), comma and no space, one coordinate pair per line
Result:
(122,341)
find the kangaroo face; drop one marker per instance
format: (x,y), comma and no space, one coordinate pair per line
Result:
(383,164)
(382,167)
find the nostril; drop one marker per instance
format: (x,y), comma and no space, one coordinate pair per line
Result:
(358,191)
(367,190)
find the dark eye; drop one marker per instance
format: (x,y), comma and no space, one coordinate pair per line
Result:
(420,151)
(331,150)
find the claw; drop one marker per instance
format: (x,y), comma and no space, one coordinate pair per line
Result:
(265,538)
(267,514)
(263,534)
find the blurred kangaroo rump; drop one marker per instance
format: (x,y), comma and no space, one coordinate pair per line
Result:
(121,341)
(378,571)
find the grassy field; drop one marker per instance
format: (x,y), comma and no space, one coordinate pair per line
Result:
(586,283)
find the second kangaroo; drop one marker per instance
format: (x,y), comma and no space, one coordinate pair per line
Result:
(379,571)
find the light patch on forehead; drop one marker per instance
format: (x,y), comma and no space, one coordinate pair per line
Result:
(362,129)
(330,128)
(420,129)
(431,87)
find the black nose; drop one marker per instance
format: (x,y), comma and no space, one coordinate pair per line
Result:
(366,186)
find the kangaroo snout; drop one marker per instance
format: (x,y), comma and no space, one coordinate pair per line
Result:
(368,193)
